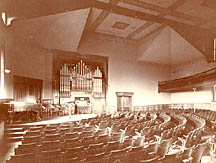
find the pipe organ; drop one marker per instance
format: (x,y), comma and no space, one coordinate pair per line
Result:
(77,80)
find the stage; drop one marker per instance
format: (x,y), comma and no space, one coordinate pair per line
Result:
(63,119)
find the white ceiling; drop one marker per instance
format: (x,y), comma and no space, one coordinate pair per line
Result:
(168,47)
(61,31)
(161,3)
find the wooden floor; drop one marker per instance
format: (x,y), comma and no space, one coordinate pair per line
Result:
(7,149)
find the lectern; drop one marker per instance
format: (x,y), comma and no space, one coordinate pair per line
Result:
(124,101)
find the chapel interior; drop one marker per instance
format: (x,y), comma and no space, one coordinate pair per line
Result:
(108,81)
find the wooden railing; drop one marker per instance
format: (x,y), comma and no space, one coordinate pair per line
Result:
(203,80)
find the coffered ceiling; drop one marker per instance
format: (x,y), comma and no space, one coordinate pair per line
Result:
(133,20)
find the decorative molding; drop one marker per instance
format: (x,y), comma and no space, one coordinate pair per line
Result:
(127,94)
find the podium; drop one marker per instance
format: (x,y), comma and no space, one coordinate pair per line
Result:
(124,101)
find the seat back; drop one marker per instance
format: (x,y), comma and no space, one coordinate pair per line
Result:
(198,152)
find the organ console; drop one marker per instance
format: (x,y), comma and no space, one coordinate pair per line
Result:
(80,81)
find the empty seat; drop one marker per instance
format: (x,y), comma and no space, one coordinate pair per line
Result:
(135,154)
(53,156)
(23,158)
(51,137)
(102,139)
(26,148)
(152,147)
(119,156)
(88,140)
(112,145)
(95,149)
(96,158)
(50,131)
(50,145)
(163,147)
(127,143)
(198,152)
(73,142)
(71,135)
(31,139)
(33,133)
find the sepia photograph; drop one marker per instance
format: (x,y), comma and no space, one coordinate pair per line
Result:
(107,81)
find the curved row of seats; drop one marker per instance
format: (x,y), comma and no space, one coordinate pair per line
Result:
(123,137)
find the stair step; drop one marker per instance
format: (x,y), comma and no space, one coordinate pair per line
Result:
(14,130)
(15,139)
(14,134)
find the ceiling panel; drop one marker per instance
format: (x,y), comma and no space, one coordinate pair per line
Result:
(161,3)
(146,31)
(106,25)
(196,8)
(182,20)
(106,1)
(61,31)
(210,24)
(132,7)
(173,49)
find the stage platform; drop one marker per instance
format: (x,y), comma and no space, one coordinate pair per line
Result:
(62,119)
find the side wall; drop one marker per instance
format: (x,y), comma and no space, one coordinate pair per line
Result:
(26,59)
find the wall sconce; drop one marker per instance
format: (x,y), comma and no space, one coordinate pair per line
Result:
(7,71)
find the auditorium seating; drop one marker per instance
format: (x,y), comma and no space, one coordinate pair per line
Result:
(125,137)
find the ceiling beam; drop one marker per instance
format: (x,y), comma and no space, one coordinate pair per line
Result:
(162,14)
(159,9)
(102,16)
(143,16)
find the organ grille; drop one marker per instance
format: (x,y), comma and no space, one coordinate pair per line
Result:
(80,77)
